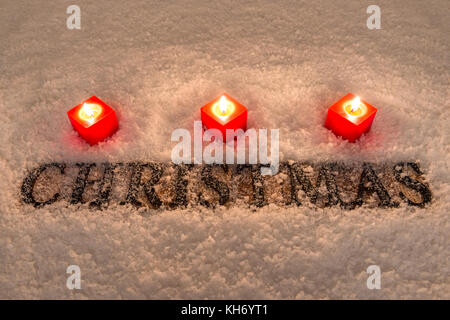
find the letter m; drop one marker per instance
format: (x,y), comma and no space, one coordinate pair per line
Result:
(299,179)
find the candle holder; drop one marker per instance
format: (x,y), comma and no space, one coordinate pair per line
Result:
(350,117)
(94,120)
(224,113)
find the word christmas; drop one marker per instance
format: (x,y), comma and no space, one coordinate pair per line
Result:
(168,186)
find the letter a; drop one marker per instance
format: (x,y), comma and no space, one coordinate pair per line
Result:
(374,281)
(184,146)
(74,20)
(74,281)
(374,21)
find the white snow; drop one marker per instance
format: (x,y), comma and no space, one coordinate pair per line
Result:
(157,63)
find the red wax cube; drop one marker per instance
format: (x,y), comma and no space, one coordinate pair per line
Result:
(224,113)
(350,117)
(94,120)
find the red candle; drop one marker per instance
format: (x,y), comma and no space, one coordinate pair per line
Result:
(350,117)
(224,113)
(94,120)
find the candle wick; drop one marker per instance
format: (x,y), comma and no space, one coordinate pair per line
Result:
(356,104)
(223,105)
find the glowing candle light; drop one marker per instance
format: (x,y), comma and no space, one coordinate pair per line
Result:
(223,108)
(356,105)
(94,120)
(224,113)
(350,117)
(89,112)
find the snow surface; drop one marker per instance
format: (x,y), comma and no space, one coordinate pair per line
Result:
(157,63)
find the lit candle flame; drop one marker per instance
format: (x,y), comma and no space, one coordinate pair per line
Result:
(356,104)
(223,104)
(223,108)
(355,108)
(89,111)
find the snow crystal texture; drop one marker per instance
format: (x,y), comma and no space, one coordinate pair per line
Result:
(156,63)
